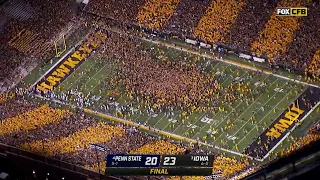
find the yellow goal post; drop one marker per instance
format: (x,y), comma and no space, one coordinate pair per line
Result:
(58,50)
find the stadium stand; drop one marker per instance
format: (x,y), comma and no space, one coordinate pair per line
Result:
(18,10)
(298,143)
(277,34)
(28,31)
(19,164)
(185,18)
(122,10)
(303,51)
(249,23)
(154,14)
(214,25)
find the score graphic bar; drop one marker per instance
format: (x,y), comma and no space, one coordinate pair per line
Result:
(158,171)
(154,161)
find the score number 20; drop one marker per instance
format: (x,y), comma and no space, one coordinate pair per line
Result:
(168,161)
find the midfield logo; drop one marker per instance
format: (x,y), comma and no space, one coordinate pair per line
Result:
(299,11)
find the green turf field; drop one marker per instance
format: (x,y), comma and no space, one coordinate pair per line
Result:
(92,77)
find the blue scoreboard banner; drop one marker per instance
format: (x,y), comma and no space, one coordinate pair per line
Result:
(120,160)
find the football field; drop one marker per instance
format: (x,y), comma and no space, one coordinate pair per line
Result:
(234,127)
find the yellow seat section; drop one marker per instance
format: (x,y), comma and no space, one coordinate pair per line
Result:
(99,133)
(220,15)
(277,33)
(29,120)
(154,14)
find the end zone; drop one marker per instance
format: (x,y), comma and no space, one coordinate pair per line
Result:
(285,124)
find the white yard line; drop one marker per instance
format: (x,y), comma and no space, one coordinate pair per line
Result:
(95,74)
(247,109)
(95,79)
(228,76)
(263,105)
(139,114)
(294,80)
(217,113)
(265,116)
(79,77)
(201,116)
(100,81)
(147,119)
(294,127)
(159,120)
(236,107)
(170,123)
(89,69)
(216,65)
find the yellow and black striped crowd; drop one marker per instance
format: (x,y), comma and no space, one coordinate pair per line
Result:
(66,135)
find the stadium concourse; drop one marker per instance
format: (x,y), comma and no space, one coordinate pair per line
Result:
(241,116)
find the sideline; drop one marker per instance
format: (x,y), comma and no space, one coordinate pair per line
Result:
(207,55)
(147,128)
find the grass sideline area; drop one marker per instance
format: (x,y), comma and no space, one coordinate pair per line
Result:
(207,127)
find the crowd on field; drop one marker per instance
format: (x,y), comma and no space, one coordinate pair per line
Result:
(167,85)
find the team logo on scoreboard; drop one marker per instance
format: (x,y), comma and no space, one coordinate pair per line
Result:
(297,11)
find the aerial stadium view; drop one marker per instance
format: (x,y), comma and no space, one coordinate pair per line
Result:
(158,89)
